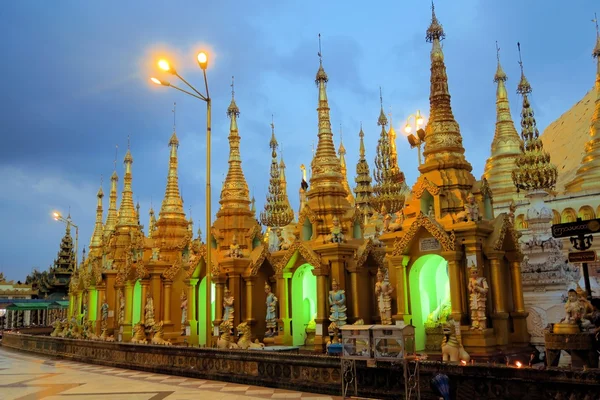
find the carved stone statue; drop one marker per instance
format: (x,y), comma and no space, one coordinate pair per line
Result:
(387,218)
(383,291)
(397,224)
(431,211)
(104,309)
(512,208)
(577,308)
(149,312)
(155,253)
(228,306)
(471,212)
(271,317)
(478,289)
(183,307)
(337,302)
(234,249)
(336,231)
(121,307)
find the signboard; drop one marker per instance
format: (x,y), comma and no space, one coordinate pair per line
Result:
(429,244)
(582,256)
(576,228)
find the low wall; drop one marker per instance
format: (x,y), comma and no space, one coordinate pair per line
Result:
(320,374)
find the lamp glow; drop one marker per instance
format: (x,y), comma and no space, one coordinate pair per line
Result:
(420,121)
(407,128)
(463,362)
(202,60)
(518,364)
(164,65)
(56,214)
(157,81)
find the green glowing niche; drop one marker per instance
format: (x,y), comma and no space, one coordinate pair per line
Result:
(93,305)
(202,306)
(429,293)
(137,302)
(304,301)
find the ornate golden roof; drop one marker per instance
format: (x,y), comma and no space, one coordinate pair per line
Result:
(445,163)
(172,204)
(234,193)
(363,189)
(127,214)
(278,211)
(533,170)
(344,169)
(588,174)
(111,217)
(96,240)
(506,146)
(388,189)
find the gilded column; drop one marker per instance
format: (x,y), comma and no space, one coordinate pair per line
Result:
(250,284)
(219,287)
(100,300)
(519,315)
(517,289)
(234,285)
(167,302)
(128,311)
(322,314)
(499,315)
(191,311)
(144,283)
(354,306)
(156,290)
(399,263)
(285,322)
(456,285)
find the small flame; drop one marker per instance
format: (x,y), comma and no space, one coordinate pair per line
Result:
(463,362)
(518,364)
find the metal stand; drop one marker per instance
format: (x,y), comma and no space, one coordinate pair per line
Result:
(412,390)
(349,377)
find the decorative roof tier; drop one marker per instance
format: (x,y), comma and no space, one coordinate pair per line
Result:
(588,174)
(506,146)
(127,213)
(235,193)
(389,187)
(344,169)
(96,240)
(278,212)
(533,170)
(112,216)
(363,189)
(445,163)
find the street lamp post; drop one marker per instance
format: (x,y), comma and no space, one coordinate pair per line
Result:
(58,217)
(418,139)
(202,59)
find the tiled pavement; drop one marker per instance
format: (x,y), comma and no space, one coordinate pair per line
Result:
(28,377)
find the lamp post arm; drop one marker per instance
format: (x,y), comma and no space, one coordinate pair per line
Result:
(206,85)
(200,95)
(186,92)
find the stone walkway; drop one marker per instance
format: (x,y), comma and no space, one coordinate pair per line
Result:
(30,377)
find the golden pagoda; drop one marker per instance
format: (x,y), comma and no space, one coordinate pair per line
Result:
(506,146)
(344,169)
(111,217)
(588,174)
(448,241)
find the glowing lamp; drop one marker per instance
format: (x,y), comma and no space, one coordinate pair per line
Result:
(56,214)
(518,364)
(157,81)
(164,65)
(202,60)
(420,121)
(463,362)
(407,129)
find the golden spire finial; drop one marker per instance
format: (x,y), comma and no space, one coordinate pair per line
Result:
(344,170)
(278,211)
(320,54)
(116,154)
(363,189)
(533,170)
(127,214)
(435,30)
(390,181)
(506,145)
(111,217)
(234,193)
(321,75)
(588,174)
(172,204)
(96,240)
(232,86)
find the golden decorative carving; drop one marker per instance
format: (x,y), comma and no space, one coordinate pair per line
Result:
(297,246)
(257,263)
(370,248)
(307,212)
(447,241)
(423,184)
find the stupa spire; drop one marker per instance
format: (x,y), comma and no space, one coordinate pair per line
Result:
(234,193)
(533,170)
(127,213)
(363,189)
(588,174)
(344,169)
(445,163)
(96,241)
(111,218)
(152,222)
(172,205)
(278,212)
(506,145)
(389,186)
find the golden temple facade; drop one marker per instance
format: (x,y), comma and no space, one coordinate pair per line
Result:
(447,228)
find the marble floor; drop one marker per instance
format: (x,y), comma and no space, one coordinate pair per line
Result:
(25,376)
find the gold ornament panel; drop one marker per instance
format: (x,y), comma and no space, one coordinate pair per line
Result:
(448,241)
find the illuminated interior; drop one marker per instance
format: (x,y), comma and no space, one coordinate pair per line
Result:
(429,289)
(137,302)
(202,307)
(92,312)
(304,301)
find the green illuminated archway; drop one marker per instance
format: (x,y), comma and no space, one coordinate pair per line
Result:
(137,303)
(202,306)
(304,301)
(429,291)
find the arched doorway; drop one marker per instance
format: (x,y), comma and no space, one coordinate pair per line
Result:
(304,302)
(202,307)
(429,292)
(137,303)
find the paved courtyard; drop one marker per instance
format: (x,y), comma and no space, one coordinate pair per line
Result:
(30,377)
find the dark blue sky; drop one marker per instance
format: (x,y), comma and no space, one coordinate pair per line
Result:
(75,84)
